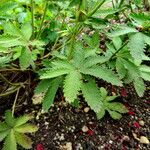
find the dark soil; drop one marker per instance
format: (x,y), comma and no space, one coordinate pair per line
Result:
(63,124)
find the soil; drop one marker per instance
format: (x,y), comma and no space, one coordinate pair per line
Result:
(62,127)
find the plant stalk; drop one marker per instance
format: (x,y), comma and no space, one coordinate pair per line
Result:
(43,18)
(32,17)
(95,9)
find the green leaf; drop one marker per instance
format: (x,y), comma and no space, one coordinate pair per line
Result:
(139,86)
(115,106)
(123,30)
(23,140)
(93,60)
(92,95)
(117,42)
(10,141)
(120,68)
(103,92)
(22,120)
(72,85)
(101,113)
(8,118)
(42,86)
(136,46)
(52,73)
(26,128)
(26,30)
(103,73)
(114,114)
(25,59)
(3,126)
(50,94)
(110,98)
(6,6)
(3,134)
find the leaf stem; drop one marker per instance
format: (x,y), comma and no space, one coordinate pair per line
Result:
(43,18)
(14,104)
(32,17)
(95,9)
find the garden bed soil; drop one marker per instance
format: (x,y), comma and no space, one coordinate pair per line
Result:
(68,128)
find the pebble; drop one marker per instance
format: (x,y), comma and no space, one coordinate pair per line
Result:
(144,140)
(68,146)
(126,138)
(142,123)
(86,109)
(46,123)
(110,142)
(85,128)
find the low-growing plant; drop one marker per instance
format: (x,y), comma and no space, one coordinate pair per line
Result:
(13,130)
(64,46)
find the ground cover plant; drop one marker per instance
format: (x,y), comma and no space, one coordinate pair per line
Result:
(75,49)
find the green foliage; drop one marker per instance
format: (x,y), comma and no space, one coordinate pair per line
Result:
(115,109)
(13,130)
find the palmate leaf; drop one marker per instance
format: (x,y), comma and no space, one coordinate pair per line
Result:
(72,85)
(139,86)
(10,141)
(103,73)
(122,31)
(136,46)
(23,140)
(50,93)
(92,95)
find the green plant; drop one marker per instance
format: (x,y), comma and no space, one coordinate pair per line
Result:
(115,109)
(13,130)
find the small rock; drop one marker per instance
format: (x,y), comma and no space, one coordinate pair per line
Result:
(126,138)
(142,123)
(46,123)
(110,142)
(68,146)
(144,140)
(86,109)
(85,128)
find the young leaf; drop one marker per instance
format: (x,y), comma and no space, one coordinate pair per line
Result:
(50,94)
(3,126)
(10,141)
(101,113)
(114,114)
(72,85)
(92,95)
(23,140)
